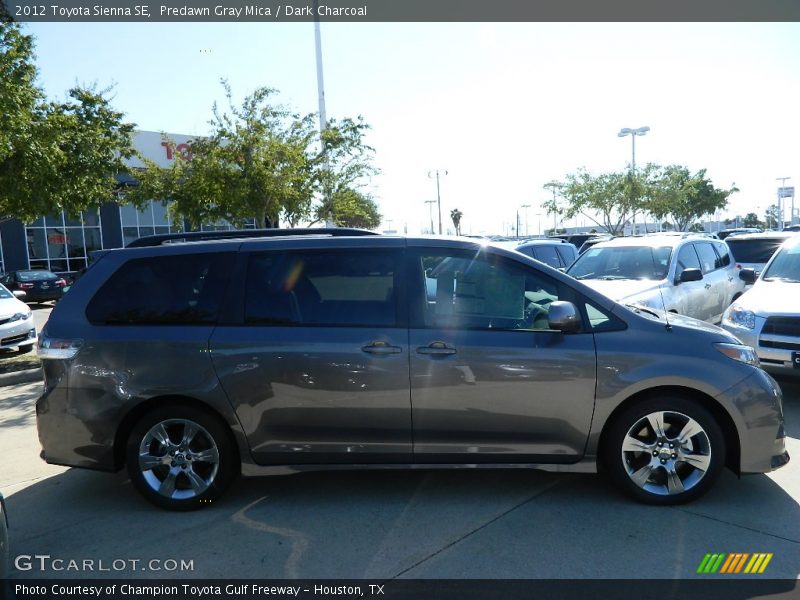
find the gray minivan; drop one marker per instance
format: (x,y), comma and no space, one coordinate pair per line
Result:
(191,363)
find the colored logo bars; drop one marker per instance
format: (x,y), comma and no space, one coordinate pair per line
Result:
(734,563)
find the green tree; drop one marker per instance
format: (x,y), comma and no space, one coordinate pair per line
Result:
(751,220)
(684,197)
(54,155)
(604,199)
(261,160)
(455,216)
(771,216)
(351,208)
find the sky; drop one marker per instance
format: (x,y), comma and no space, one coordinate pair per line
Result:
(503,108)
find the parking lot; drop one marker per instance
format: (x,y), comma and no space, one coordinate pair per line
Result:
(417,524)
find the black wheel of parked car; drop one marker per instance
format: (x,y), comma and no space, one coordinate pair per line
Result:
(24,349)
(180,458)
(665,450)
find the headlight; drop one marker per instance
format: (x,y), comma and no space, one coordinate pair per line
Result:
(19,316)
(739,352)
(740,317)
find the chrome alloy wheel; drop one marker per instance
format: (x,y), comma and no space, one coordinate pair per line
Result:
(178,459)
(666,453)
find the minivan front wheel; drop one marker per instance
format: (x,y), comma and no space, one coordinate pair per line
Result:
(667,450)
(180,458)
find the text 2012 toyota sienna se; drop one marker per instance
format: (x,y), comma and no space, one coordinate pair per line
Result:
(190,363)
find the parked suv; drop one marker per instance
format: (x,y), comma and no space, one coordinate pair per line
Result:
(767,317)
(753,250)
(555,252)
(685,274)
(192,362)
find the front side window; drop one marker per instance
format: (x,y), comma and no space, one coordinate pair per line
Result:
(687,259)
(547,255)
(176,290)
(466,291)
(350,288)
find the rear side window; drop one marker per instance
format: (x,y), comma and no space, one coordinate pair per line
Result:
(708,258)
(335,289)
(724,256)
(547,255)
(175,290)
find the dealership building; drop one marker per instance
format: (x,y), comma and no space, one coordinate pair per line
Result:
(62,243)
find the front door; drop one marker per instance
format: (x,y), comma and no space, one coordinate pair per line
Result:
(490,382)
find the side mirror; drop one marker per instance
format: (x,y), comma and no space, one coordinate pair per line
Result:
(748,275)
(690,275)
(563,316)
(19,294)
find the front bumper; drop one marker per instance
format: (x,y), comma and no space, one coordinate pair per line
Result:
(756,404)
(17,333)
(773,359)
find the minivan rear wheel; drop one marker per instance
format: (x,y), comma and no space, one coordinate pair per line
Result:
(180,458)
(665,450)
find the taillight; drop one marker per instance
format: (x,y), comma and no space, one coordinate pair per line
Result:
(25,286)
(61,283)
(52,348)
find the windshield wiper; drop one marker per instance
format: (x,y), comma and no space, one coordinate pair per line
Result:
(642,308)
(786,279)
(612,277)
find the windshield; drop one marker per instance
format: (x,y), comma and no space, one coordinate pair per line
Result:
(786,266)
(622,262)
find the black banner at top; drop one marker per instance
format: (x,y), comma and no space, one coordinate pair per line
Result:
(365,11)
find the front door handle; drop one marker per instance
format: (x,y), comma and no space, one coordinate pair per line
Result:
(437,349)
(381,347)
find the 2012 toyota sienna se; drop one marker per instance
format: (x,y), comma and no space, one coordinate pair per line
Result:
(191,363)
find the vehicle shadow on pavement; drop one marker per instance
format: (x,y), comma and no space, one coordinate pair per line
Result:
(417,524)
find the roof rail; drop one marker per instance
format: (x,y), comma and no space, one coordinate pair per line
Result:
(197,236)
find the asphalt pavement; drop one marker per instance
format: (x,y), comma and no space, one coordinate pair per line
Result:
(415,524)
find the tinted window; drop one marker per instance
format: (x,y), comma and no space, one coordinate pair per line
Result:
(753,251)
(185,289)
(343,288)
(485,292)
(687,259)
(568,253)
(723,255)
(708,258)
(547,255)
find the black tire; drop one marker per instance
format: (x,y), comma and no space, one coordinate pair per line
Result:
(666,475)
(24,349)
(196,480)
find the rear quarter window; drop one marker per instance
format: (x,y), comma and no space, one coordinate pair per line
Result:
(185,289)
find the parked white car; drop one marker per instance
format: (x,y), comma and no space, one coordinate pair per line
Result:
(692,275)
(767,317)
(16,323)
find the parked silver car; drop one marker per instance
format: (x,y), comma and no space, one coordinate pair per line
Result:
(692,275)
(767,317)
(301,353)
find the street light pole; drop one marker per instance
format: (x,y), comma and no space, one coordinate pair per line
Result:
(438,195)
(526,207)
(430,204)
(633,133)
(780,201)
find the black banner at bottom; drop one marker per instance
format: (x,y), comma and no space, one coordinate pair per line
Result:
(399,589)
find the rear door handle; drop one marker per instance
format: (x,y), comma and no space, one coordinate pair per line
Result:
(437,349)
(381,347)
